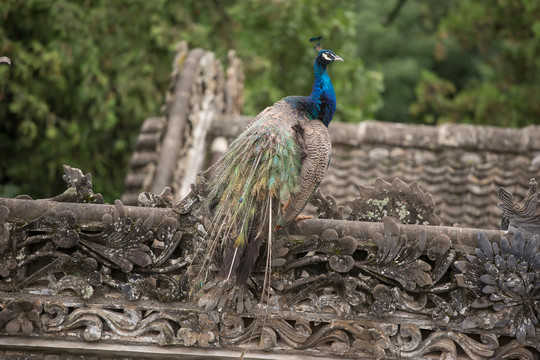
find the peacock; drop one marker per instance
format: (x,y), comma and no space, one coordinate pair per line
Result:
(268,174)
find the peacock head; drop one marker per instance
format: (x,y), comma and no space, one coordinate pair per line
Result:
(324,57)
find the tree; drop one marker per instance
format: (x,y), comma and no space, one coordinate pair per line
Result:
(86,74)
(504,37)
(84,77)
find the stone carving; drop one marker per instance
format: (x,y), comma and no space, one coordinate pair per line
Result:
(524,215)
(407,203)
(326,205)
(21,316)
(79,187)
(505,278)
(133,257)
(333,294)
(148,199)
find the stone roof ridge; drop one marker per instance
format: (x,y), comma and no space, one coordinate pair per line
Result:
(464,136)
(69,268)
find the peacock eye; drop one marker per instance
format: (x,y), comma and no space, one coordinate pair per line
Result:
(326,57)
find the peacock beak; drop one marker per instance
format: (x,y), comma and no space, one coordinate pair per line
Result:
(337,58)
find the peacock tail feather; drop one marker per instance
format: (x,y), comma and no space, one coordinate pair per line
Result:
(253,182)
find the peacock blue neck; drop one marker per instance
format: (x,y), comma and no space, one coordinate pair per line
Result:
(322,101)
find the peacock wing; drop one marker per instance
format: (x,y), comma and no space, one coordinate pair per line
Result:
(262,163)
(314,142)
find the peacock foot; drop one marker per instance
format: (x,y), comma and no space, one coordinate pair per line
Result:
(298,218)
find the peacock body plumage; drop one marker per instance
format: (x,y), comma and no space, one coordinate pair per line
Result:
(269,173)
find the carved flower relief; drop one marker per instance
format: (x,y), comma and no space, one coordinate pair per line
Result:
(378,340)
(201,330)
(384,303)
(342,260)
(21,316)
(505,278)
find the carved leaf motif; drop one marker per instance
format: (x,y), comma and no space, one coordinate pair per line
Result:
(54,315)
(268,339)
(198,191)
(343,263)
(233,327)
(406,302)
(331,303)
(514,350)
(21,316)
(384,304)
(51,226)
(442,312)
(79,285)
(78,318)
(398,260)
(388,300)
(377,340)
(129,323)
(148,199)
(337,251)
(331,333)
(57,263)
(161,287)
(440,251)
(296,337)
(122,241)
(198,329)
(166,289)
(409,337)
(304,288)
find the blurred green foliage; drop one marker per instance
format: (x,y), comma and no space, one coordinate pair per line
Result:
(86,74)
(503,37)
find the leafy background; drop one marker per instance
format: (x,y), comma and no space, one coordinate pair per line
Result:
(86,74)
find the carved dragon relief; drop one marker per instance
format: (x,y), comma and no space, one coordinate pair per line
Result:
(390,296)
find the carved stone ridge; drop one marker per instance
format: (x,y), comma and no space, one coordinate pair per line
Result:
(119,276)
